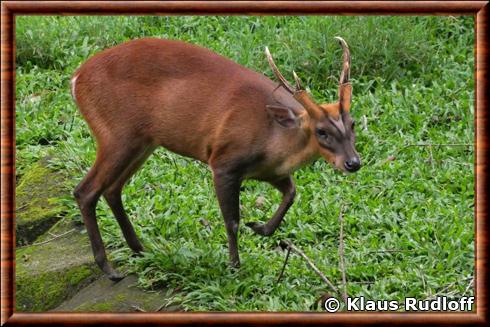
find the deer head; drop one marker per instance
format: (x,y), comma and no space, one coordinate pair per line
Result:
(330,123)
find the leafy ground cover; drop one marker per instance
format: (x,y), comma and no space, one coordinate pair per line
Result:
(408,217)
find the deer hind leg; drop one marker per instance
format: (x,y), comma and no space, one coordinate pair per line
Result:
(287,188)
(112,159)
(113,197)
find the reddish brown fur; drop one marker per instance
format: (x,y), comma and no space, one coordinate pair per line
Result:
(152,92)
(185,98)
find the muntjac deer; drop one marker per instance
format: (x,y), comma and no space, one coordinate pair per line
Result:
(152,92)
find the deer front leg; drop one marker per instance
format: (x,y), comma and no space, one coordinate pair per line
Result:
(227,187)
(287,188)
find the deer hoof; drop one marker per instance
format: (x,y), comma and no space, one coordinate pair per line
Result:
(138,254)
(258,228)
(115,276)
(235,265)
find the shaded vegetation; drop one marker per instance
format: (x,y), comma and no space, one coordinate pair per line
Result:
(39,201)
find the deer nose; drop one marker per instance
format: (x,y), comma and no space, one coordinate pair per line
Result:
(352,164)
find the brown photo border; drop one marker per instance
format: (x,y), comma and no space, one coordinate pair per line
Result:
(10,9)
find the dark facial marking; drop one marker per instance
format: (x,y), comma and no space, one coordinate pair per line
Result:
(332,134)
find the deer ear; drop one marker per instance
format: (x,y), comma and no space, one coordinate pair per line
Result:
(285,116)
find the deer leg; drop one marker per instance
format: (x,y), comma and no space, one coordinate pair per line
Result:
(113,197)
(286,186)
(110,162)
(227,187)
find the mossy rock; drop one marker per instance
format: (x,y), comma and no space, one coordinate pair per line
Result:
(51,271)
(104,295)
(38,201)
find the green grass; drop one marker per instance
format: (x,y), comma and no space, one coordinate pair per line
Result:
(413,83)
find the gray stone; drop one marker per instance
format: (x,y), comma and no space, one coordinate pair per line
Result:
(58,269)
(38,201)
(104,295)
(54,268)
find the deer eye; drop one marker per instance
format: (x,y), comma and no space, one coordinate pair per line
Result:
(321,133)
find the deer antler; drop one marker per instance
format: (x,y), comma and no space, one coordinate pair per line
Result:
(300,94)
(345,87)
(344,76)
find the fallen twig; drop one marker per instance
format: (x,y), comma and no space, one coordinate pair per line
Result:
(165,304)
(168,301)
(469,285)
(362,283)
(436,144)
(448,286)
(21,207)
(430,145)
(341,254)
(284,265)
(51,239)
(389,251)
(135,307)
(288,244)
(431,157)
